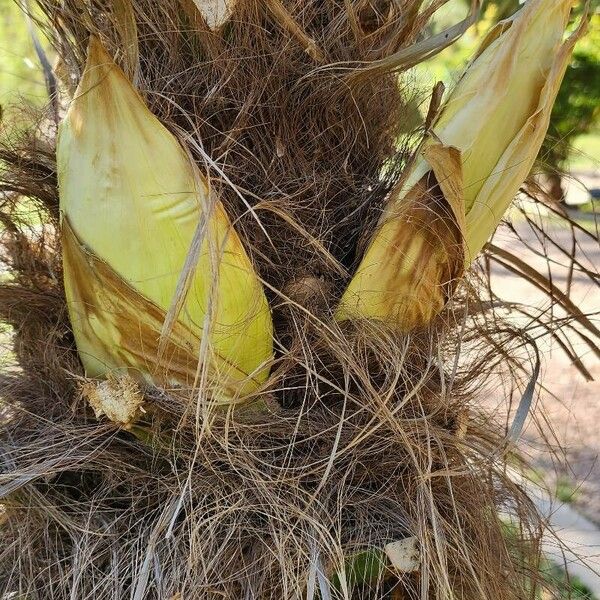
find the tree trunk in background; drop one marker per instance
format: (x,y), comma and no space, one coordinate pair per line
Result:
(555,188)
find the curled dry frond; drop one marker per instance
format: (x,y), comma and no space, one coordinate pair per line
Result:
(215,12)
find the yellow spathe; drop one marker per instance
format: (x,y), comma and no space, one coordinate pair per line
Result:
(132,204)
(477,154)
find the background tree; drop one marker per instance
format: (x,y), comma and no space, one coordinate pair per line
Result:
(576,111)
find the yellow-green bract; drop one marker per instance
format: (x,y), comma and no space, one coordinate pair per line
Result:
(133,208)
(467,171)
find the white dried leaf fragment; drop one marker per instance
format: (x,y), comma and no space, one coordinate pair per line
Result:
(117,398)
(215,12)
(404,555)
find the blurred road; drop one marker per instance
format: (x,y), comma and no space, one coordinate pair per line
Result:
(568,413)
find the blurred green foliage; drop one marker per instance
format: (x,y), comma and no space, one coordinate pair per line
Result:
(20,72)
(563,586)
(577,107)
(566,489)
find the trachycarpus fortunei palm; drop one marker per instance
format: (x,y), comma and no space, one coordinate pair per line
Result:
(141,305)
(262,264)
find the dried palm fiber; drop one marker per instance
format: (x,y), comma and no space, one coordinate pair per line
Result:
(367,435)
